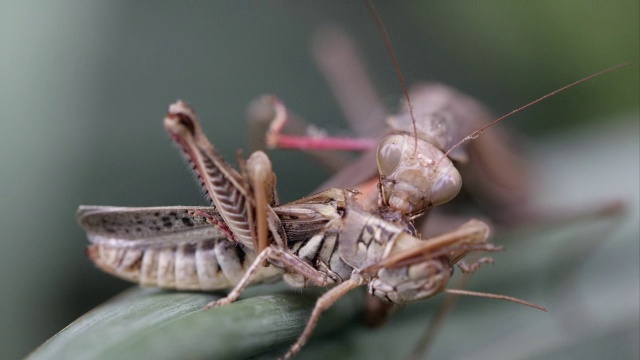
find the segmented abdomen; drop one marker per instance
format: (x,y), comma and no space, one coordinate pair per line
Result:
(203,265)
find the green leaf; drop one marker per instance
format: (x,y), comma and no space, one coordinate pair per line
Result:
(154,324)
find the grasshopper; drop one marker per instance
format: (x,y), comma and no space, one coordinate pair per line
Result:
(326,239)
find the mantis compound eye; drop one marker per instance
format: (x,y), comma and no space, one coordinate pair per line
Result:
(413,181)
(447,183)
(389,154)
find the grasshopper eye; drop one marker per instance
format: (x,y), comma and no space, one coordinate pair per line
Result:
(389,154)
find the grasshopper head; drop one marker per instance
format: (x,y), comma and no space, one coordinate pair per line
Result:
(413,181)
(415,269)
(414,282)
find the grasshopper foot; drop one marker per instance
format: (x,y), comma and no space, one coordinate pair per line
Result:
(218,303)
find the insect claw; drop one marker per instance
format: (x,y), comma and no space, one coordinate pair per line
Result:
(472,267)
(218,303)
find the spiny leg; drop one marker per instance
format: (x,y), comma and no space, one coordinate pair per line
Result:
(324,302)
(223,184)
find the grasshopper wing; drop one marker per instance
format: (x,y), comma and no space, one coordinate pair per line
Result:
(141,227)
(173,247)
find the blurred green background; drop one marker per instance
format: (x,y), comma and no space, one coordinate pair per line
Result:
(84,86)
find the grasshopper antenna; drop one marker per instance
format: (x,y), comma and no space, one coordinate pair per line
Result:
(477,133)
(494,296)
(449,303)
(387,43)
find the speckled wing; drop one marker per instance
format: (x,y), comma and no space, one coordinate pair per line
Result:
(173,247)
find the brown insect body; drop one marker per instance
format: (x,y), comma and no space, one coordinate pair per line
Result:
(324,239)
